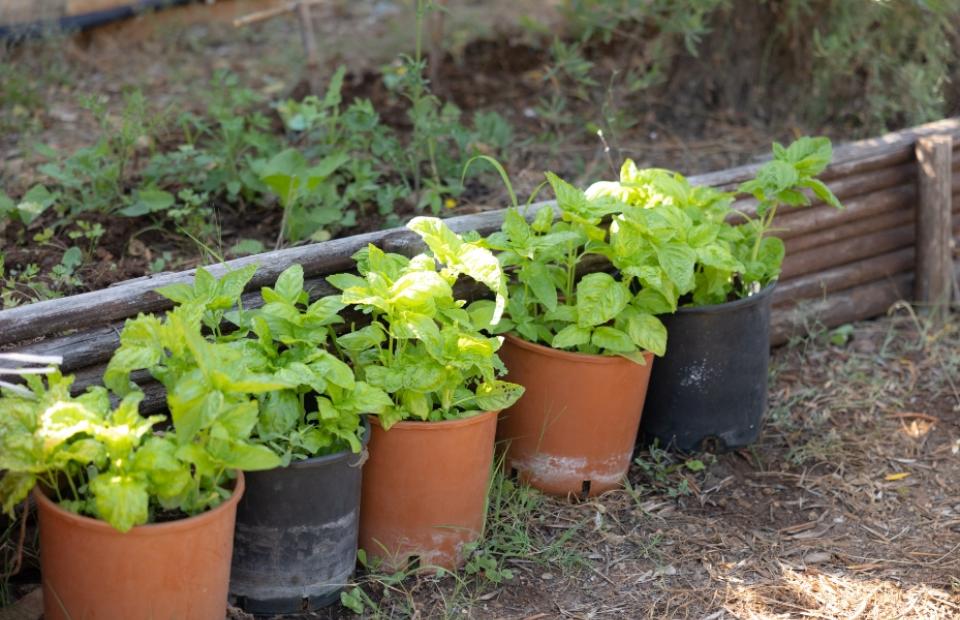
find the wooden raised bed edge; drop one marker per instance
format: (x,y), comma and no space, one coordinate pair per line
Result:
(842,266)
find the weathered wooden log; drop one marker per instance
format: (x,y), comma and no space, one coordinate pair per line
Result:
(95,345)
(867,222)
(816,285)
(853,304)
(853,229)
(863,155)
(847,251)
(934,264)
(812,220)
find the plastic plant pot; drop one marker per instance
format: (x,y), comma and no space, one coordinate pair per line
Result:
(709,392)
(178,569)
(295,546)
(425,490)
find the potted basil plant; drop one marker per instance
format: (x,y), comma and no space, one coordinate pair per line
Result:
(134,522)
(296,536)
(431,449)
(582,330)
(710,389)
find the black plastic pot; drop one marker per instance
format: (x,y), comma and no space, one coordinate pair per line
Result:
(295,545)
(709,392)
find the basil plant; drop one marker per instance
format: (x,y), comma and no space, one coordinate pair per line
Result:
(713,253)
(421,346)
(109,462)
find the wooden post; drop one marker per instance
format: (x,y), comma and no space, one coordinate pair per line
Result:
(435,23)
(934,268)
(309,37)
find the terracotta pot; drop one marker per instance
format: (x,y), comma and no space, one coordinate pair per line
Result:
(179,569)
(425,490)
(574,428)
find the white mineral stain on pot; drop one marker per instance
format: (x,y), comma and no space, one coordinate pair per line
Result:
(552,469)
(696,374)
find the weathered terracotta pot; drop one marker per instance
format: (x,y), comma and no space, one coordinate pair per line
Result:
(179,569)
(424,491)
(574,428)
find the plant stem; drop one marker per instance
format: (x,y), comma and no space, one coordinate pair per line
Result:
(765,223)
(571,272)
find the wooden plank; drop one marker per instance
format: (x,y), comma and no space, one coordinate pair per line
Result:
(79,7)
(853,229)
(816,219)
(80,349)
(95,345)
(847,251)
(859,156)
(816,285)
(934,264)
(853,304)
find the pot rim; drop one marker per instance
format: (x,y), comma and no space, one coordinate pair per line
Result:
(442,425)
(147,529)
(327,459)
(730,306)
(572,356)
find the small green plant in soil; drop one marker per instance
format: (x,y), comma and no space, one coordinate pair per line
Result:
(663,471)
(421,346)
(512,531)
(94,178)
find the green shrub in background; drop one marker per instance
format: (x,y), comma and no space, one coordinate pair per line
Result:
(868,65)
(871,63)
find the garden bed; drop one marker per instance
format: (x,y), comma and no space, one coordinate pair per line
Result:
(190,63)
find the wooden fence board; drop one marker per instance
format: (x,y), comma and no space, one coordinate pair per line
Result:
(845,306)
(841,265)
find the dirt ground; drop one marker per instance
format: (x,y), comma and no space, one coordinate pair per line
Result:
(846,507)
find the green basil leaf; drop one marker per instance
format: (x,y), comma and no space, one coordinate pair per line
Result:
(571,336)
(600,298)
(121,501)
